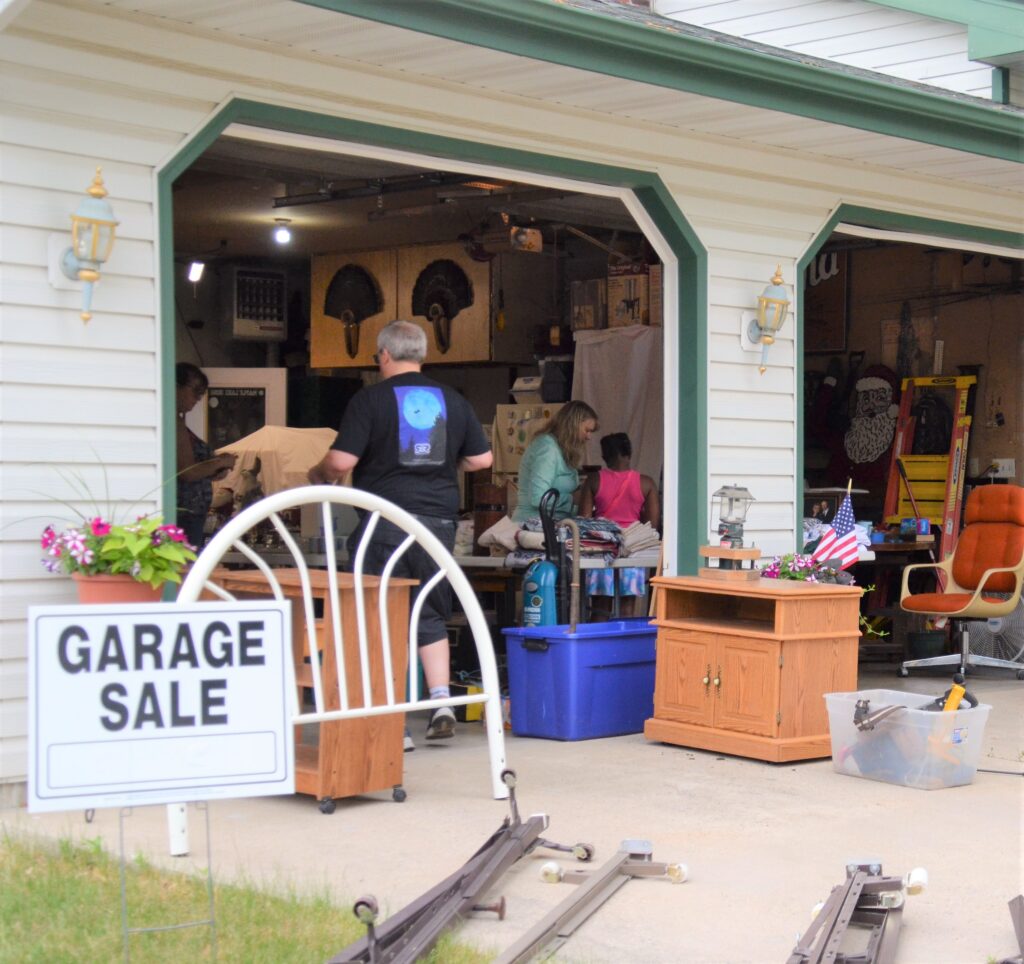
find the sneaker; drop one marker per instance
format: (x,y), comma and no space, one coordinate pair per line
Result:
(442,724)
(407,745)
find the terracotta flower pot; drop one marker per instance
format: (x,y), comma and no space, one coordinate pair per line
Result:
(117,588)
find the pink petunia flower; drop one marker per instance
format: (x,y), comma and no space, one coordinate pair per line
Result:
(48,538)
(99,527)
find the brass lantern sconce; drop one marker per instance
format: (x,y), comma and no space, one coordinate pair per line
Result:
(758,329)
(93,227)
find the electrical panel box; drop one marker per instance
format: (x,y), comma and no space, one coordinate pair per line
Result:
(259,304)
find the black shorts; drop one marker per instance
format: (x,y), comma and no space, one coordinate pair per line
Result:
(415,563)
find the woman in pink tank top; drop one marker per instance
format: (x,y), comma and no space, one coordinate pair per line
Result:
(624,496)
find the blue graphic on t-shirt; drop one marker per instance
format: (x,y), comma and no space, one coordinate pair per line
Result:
(422,425)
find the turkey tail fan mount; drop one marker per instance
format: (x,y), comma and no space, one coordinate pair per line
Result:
(441,291)
(352,296)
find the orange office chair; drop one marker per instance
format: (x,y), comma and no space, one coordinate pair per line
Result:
(988,559)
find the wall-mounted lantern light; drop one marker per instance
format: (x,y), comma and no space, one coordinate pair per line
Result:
(92,236)
(758,329)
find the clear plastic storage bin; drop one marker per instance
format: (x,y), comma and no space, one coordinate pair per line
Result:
(913,747)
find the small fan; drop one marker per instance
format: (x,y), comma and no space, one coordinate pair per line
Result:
(441,291)
(1001,637)
(352,296)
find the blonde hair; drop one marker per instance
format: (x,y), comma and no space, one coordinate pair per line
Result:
(566,427)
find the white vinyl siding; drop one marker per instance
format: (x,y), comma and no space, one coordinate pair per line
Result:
(86,86)
(853,32)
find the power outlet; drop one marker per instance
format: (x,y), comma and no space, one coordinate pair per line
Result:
(1004,468)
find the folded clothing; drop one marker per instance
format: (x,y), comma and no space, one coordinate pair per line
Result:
(639,537)
(502,533)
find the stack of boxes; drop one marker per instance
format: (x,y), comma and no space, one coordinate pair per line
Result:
(630,295)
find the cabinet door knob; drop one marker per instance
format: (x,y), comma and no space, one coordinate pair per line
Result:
(718,677)
(707,676)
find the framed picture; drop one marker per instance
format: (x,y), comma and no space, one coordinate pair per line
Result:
(822,506)
(239,401)
(826,284)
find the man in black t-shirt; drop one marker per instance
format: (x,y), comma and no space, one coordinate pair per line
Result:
(406,439)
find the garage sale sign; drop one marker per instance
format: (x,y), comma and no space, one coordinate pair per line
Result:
(159,703)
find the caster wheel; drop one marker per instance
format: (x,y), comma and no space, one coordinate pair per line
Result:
(327,805)
(677,873)
(583,851)
(916,881)
(398,795)
(550,873)
(902,672)
(366,909)
(508,777)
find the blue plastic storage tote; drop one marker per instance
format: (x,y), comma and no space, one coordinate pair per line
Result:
(598,681)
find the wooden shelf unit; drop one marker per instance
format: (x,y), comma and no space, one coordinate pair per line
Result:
(355,756)
(742,667)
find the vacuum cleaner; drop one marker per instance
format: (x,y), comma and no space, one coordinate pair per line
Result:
(540,582)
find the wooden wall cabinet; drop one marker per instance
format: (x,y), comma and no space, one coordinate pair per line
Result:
(524,283)
(328,344)
(743,667)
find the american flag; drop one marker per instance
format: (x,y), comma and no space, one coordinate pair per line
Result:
(840,538)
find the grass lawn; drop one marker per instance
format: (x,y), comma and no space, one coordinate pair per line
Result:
(62,902)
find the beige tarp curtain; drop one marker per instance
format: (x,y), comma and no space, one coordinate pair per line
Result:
(620,373)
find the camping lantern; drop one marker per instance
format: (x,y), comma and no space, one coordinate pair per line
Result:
(731,503)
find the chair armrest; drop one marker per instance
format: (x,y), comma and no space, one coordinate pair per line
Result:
(1018,572)
(945,566)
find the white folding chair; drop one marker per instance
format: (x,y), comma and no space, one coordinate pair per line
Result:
(231,538)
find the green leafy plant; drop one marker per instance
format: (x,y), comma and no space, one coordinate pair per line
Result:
(99,543)
(146,549)
(795,565)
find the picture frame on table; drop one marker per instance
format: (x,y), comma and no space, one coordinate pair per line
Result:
(822,507)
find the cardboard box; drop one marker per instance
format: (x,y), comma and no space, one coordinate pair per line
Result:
(628,295)
(589,300)
(514,428)
(526,390)
(655,281)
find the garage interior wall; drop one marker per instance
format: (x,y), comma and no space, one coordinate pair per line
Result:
(969,301)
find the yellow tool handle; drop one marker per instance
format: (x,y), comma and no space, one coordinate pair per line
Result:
(956,694)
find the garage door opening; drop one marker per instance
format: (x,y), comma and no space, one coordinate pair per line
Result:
(550,289)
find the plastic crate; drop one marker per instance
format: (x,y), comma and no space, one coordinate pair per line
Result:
(913,747)
(598,681)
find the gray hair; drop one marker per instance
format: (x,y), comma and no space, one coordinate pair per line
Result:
(403,341)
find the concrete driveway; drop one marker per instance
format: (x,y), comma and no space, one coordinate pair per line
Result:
(763,842)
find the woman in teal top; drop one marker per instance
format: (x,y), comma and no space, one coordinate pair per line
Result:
(552,460)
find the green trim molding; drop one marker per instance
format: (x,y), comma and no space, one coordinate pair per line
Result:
(690,421)
(665,55)
(1001,85)
(883,221)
